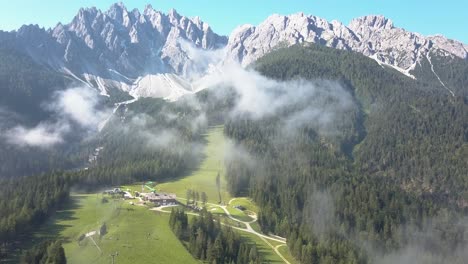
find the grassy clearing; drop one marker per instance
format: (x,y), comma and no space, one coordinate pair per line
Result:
(284,250)
(228,221)
(203,179)
(215,210)
(137,234)
(255,226)
(267,253)
(169,209)
(245,202)
(238,214)
(136,187)
(274,242)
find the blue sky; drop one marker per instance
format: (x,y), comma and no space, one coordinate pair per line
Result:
(448,17)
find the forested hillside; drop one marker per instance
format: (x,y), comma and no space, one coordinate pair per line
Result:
(452,71)
(148,139)
(398,170)
(26,89)
(27,202)
(30,109)
(415,131)
(24,84)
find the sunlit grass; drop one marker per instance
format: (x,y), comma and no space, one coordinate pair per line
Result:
(203,178)
(136,233)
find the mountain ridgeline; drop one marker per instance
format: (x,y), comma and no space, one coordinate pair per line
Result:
(127,50)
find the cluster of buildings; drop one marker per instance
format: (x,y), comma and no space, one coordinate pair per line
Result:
(114,191)
(119,192)
(160,199)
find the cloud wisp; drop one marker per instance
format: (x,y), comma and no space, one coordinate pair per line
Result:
(80,105)
(43,135)
(74,106)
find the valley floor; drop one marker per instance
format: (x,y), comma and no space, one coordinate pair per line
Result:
(140,234)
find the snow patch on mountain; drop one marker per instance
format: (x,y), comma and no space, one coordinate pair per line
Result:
(437,76)
(405,72)
(166,85)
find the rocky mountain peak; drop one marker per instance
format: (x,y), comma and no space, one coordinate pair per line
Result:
(115,47)
(26,30)
(173,14)
(374,36)
(371,21)
(119,13)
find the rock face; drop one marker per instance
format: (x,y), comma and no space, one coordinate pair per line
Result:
(146,52)
(116,47)
(373,36)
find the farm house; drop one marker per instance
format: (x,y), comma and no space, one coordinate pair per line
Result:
(160,199)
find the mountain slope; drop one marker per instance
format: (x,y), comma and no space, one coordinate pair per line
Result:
(414,131)
(24,84)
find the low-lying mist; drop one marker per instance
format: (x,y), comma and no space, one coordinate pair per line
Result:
(74,107)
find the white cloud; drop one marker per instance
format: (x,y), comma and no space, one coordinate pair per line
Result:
(200,61)
(80,104)
(317,102)
(72,105)
(42,135)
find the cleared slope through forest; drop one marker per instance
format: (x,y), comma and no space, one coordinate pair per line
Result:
(203,179)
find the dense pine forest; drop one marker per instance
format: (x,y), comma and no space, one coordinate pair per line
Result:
(45,252)
(27,202)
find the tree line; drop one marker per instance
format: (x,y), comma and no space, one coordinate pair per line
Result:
(208,241)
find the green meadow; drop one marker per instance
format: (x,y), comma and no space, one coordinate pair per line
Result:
(137,234)
(203,178)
